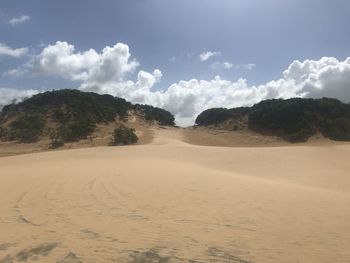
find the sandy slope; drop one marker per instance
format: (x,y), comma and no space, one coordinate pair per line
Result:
(170,201)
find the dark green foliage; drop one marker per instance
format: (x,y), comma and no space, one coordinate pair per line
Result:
(71,113)
(219,115)
(298,119)
(213,116)
(76,130)
(3,134)
(67,104)
(153,113)
(124,136)
(295,120)
(290,119)
(27,128)
(337,129)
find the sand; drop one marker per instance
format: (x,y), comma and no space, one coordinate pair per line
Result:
(170,201)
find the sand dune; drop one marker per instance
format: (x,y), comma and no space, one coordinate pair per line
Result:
(170,201)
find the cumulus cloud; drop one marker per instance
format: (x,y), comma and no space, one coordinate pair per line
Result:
(9,95)
(60,59)
(109,72)
(138,91)
(12,52)
(186,99)
(326,77)
(208,54)
(19,20)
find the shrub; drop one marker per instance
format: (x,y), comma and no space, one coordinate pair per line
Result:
(27,128)
(73,114)
(3,134)
(338,129)
(163,117)
(219,115)
(76,130)
(56,143)
(213,116)
(294,120)
(290,119)
(124,136)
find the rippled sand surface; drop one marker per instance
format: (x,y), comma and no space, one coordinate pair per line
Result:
(170,201)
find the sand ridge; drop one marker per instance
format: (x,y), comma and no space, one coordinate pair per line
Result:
(170,201)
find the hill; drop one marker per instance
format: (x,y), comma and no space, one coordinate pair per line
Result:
(294,120)
(69,115)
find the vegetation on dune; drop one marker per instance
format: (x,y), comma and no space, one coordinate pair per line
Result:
(56,142)
(163,117)
(295,120)
(219,115)
(26,128)
(124,136)
(75,113)
(68,115)
(298,119)
(67,104)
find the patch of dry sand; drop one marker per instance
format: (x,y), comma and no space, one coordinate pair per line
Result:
(170,201)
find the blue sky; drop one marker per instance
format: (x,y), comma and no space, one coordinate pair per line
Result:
(252,40)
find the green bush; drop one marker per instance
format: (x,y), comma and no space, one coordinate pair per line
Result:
(76,130)
(213,116)
(291,119)
(74,114)
(3,134)
(294,120)
(124,136)
(298,119)
(219,115)
(163,117)
(66,104)
(27,128)
(338,129)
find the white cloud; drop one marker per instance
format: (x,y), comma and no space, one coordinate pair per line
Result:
(186,99)
(108,72)
(228,65)
(326,77)
(249,66)
(221,65)
(60,60)
(12,52)
(208,54)
(9,95)
(16,72)
(137,92)
(19,20)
